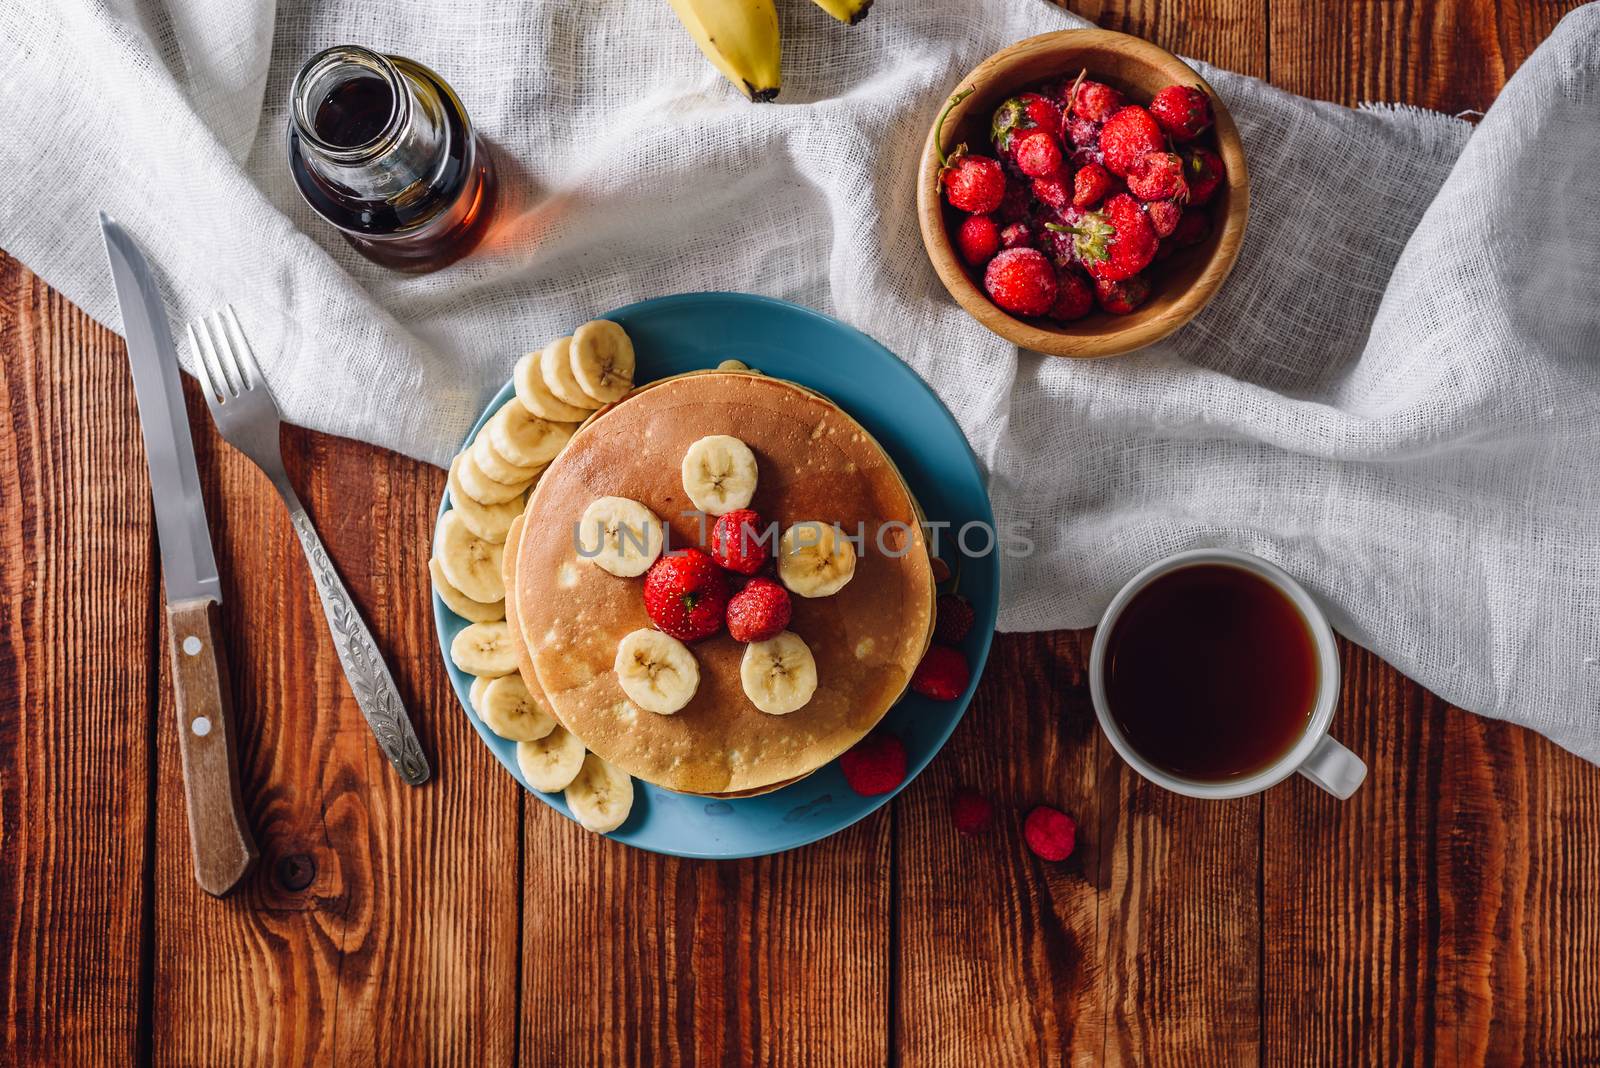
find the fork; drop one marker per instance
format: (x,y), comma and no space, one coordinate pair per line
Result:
(247,417)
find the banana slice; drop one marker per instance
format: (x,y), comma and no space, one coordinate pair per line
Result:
(555,364)
(733,365)
(536,396)
(488,521)
(497,467)
(476,483)
(471,564)
(484,649)
(815,559)
(601,797)
(719,474)
(459,603)
(602,360)
(475,694)
(523,438)
(552,762)
(656,671)
(512,712)
(619,535)
(779,675)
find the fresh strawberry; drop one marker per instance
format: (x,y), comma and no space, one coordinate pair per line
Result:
(943,674)
(971,812)
(1120,298)
(1115,242)
(1043,112)
(1184,111)
(978,238)
(1056,240)
(1203,171)
(1021,281)
(952,618)
(1163,216)
(1094,101)
(974,184)
(1091,185)
(876,765)
(686,595)
(1054,191)
(759,611)
(738,541)
(1074,296)
(1009,121)
(1037,154)
(1127,136)
(1017,235)
(1050,833)
(1194,226)
(1158,176)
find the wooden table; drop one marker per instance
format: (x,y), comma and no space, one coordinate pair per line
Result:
(1449,913)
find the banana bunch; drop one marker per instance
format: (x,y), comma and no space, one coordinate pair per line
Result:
(474,547)
(740,37)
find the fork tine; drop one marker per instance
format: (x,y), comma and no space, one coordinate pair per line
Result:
(230,360)
(247,354)
(208,355)
(201,371)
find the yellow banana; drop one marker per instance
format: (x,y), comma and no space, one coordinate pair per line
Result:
(740,38)
(848,11)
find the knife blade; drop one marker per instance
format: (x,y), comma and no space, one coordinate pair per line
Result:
(188,565)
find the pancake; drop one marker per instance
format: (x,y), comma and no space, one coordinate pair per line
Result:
(816,463)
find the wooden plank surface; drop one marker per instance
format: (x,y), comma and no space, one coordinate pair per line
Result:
(1446,914)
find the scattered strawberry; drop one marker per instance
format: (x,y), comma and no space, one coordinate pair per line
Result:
(1017,235)
(759,611)
(876,765)
(1115,242)
(1074,296)
(1194,226)
(1091,185)
(1203,171)
(974,184)
(1163,216)
(1158,176)
(943,674)
(1184,111)
(1127,136)
(952,618)
(686,595)
(971,812)
(1037,154)
(1094,101)
(978,239)
(1055,191)
(739,543)
(1050,833)
(1021,281)
(1120,298)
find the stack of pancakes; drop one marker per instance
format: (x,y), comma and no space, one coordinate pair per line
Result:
(816,463)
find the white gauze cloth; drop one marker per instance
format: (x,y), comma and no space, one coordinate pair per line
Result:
(1395,396)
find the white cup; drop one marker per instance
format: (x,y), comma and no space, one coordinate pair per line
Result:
(1315,755)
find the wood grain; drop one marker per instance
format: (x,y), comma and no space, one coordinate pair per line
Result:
(382,924)
(77,604)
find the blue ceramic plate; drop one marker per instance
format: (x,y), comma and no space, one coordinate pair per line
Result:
(696,331)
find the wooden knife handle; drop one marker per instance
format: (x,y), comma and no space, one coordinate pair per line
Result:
(224,849)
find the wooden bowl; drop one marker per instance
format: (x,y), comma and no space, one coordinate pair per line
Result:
(1181,284)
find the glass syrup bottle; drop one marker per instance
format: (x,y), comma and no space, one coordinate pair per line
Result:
(381,147)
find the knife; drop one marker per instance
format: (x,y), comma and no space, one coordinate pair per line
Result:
(224,849)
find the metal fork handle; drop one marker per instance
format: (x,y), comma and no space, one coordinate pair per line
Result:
(363,665)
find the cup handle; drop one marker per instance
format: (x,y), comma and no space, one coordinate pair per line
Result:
(1334,768)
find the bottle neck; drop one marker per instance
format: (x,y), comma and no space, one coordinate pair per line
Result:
(364,128)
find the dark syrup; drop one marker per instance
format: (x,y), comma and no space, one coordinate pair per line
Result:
(429,227)
(1211,672)
(355,112)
